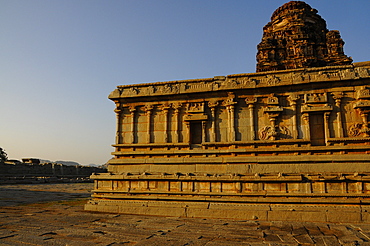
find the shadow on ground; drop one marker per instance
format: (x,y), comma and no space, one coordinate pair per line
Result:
(13,195)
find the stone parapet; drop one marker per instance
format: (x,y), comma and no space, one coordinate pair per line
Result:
(247,81)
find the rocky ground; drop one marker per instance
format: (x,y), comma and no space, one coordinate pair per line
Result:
(52,214)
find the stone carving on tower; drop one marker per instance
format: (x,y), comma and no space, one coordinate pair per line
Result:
(297,37)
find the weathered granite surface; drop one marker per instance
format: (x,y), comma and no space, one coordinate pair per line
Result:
(289,143)
(297,37)
(52,214)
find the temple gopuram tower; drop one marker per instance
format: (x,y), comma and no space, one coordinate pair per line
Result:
(289,142)
(297,37)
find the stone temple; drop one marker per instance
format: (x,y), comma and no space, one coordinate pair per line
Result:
(289,142)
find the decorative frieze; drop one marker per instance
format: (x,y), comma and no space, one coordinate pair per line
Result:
(363,93)
(195,107)
(243,81)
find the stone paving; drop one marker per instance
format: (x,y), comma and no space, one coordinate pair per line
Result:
(52,214)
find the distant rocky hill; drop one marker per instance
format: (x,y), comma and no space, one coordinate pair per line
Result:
(70,163)
(67,163)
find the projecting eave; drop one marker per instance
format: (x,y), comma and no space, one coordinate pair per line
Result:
(245,81)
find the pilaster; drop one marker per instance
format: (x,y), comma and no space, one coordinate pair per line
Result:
(250,101)
(132,110)
(149,110)
(176,114)
(230,107)
(213,106)
(118,111)
(293,98)
(165,109)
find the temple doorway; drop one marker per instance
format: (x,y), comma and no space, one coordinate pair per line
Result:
(317,131)
(196,132)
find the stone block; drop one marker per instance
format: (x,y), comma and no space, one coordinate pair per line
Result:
(157,211)
(283,215)
(226,214)
(183,168)
(343,215)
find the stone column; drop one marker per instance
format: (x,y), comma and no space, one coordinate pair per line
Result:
(326,126)
(187,125)
(232,122)
(338,99)
(293,98)
(176,115)
(306,120)
(118,111)
(148,110)
(229,103)
(213,105)
(204,125)
(132,111)
(250,101)
(165,109)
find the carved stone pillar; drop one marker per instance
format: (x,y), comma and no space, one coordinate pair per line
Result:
(213,105)
(326,126)
(187,134)
(338,99)
(204,125)
(306,120)
(176,114)
(250,102)
(229,103)
(132,111)
(165,108)
(293,98)
(118,111)
(148,110)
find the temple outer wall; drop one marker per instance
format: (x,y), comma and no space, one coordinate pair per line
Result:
(285,145)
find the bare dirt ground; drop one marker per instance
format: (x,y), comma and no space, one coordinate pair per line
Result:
(52,214)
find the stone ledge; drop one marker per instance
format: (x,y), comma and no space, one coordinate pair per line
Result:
(273,159)
(254,150)
(230,198)
(236,177)
(267,212)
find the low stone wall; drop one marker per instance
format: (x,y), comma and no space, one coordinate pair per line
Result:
(45,173)
(324,197)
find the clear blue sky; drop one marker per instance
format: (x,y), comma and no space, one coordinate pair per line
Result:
(59,60)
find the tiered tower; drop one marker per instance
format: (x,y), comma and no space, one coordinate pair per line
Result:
(297,37)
